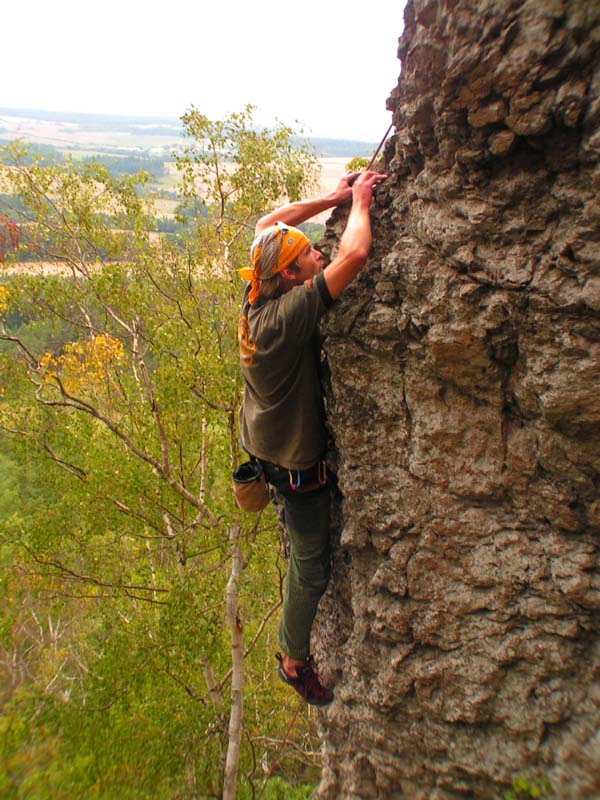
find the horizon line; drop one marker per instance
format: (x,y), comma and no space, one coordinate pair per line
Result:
(14,110)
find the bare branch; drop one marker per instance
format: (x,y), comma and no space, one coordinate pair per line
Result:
(55,678)
(237,658)
(213,685)
(58,565)
(115,699)
(170,532)
(73,469)
(168,297)
(154,407)
(79,404)
(188,690)
(203,460)
(309,757)
(33,361)
(208,402)
(254,639)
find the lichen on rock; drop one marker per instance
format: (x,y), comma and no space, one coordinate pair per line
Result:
(461,625)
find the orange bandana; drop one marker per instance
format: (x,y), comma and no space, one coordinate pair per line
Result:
(272,251)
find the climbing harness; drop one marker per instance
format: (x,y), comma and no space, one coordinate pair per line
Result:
(307,480)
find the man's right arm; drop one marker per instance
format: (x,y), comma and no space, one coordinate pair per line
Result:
(356,240)
(296,213)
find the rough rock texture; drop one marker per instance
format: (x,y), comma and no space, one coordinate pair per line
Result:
(461,626)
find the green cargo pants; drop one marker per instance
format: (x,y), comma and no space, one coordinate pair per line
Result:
(306,517)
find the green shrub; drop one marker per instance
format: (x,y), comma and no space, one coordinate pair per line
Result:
(523,787)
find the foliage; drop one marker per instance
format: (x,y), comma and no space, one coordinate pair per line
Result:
(279,789)
(119,393)
(313,230)
(357,163)
(9,236)
(127,165)
(523,787)
(240,171)
(41,152)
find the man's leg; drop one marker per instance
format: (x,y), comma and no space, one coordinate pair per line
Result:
(309,570)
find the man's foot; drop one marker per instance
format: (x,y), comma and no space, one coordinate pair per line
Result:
(307,683)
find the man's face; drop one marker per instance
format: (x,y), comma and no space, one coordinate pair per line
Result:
(310,263)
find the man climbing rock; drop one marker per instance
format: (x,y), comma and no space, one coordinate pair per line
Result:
(281,419)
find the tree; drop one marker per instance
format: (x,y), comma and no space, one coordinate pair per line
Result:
(135,418)
(357,163)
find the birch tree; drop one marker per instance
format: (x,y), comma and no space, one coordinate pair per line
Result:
(133,409)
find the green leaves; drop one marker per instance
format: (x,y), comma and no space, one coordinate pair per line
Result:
(242,171)
(121,385)
(523,787)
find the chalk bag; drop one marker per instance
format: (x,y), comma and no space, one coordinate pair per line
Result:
(249,486)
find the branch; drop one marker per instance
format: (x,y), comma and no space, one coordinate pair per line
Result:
(99,596)
(203,460)
(255,638)
(55,678)
(213,685)
(33,361)
(214,406)
(189,691)
(237,658)
(78,404)
(6,432)
(219,185)
(308,757)
(121,694)
(251,772)
(168,297)
(78,472)
(154,408)
(82,266)
(74,235)
(89,578)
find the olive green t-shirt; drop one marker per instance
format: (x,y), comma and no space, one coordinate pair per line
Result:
(281,419)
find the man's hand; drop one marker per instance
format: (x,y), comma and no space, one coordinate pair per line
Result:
(343,191)
(345,188)
(363,185)
(355,243)
(295,213)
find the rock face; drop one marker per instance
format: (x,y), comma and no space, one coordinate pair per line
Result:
(461,626)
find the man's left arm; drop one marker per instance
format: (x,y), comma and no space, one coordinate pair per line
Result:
(296,213)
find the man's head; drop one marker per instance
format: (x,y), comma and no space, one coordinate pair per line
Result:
(282,257)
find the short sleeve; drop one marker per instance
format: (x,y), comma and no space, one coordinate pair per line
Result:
(302,308)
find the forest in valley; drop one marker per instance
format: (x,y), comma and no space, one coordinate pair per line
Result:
(138,604)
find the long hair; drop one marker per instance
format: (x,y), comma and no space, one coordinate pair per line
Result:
(272,288)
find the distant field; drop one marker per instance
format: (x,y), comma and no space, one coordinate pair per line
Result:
(91,136)
(70,135)
(170,180)
(130,134)
(165,207)
(332,169)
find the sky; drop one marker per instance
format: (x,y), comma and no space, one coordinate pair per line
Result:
(326,66)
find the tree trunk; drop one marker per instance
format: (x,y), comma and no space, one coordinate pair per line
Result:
(237,676)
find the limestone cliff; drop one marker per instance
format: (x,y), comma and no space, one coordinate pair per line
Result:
(461,627)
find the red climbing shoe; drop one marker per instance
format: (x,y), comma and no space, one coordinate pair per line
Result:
(307,684)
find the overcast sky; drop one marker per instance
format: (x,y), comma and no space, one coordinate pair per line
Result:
(329,64)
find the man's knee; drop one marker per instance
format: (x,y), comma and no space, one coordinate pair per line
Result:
(312,575)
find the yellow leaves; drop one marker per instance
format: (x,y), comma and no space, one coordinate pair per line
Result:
(4,363)
(84,364)
(4,295)
(47,361)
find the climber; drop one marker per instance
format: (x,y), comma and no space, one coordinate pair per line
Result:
(282,416)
